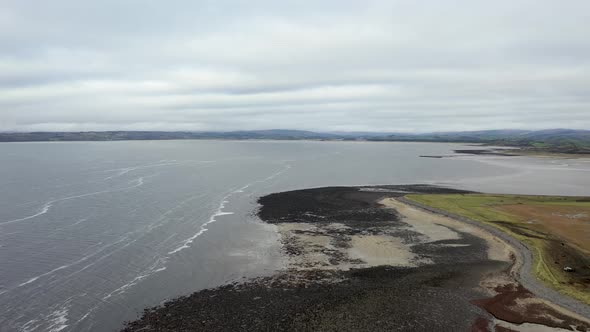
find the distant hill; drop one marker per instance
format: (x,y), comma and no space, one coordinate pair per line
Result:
(551,140)
(554,140)
(161,135)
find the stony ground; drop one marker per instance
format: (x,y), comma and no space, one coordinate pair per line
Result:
(444,295)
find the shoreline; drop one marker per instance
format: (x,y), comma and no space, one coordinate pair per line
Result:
(358,262)
(508,151)
(522,269)
(480,148)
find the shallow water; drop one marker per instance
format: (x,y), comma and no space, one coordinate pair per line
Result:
(93,232)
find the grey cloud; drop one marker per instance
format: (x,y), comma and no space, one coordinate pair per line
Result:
(321,65)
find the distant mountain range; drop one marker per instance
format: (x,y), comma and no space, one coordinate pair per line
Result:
(551,140)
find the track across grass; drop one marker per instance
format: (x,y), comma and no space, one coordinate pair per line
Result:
(556,229)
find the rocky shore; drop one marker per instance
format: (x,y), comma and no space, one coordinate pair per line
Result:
(361,259)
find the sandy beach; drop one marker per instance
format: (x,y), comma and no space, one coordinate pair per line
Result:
(363,258)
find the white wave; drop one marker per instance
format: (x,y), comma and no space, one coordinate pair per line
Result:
(139,182)
(272,176)
(83,317)
(153,269)
(202,230)
(63,267)
(125,170)
(43,211)
(122,172)
(78,222)
(31,325)
(55,321)
(127,244)
(58,319)
(219,212)
(60,229)
(33,279)
(47,206)
(28,281)
(163,219)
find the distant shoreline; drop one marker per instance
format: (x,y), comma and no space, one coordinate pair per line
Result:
(480,148)
(554,141)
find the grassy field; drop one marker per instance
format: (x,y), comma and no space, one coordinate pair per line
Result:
(557,229)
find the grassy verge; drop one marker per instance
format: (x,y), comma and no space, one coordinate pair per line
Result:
(551,251)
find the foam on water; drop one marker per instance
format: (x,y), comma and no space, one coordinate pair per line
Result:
(47,206)
(154,268)
(58,320)
(55,321)
(63,267)
(145,228)
(125,170)
(43,211)
(218,213)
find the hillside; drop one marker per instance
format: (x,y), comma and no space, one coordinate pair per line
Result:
(551,140)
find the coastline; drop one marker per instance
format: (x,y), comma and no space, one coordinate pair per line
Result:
(522,269)
(509,151)
(341,276)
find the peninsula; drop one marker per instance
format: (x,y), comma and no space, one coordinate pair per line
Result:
(385,258)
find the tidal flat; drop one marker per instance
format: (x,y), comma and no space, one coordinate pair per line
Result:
(360,259)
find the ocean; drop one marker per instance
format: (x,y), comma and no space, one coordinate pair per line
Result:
(91,233)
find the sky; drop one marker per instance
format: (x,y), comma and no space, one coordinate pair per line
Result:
(395,66)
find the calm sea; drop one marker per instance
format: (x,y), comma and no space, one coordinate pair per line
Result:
(91,233)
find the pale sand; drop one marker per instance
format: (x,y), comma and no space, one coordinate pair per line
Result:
(498,249)
(331,247)
(317,248)
(377,250)
(296,226)
(436,227)
(312,245)
(320,246)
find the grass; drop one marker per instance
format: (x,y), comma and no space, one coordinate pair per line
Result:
(489,209)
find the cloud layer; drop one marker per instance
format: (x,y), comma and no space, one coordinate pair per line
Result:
(317,65)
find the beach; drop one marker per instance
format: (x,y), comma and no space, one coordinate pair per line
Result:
(361,258)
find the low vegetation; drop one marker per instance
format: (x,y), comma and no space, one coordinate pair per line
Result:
(537,141)
(556,229)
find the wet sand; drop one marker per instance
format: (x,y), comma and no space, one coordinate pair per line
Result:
(513,304)
(359,259)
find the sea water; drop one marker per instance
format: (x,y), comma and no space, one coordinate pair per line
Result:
(91,233)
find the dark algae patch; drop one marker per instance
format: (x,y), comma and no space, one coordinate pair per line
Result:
(443,295)
(512,304)
(376,299)
(490,152)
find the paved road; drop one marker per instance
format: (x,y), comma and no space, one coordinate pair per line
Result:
(523,271)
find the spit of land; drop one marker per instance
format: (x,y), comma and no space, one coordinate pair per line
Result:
(372,259)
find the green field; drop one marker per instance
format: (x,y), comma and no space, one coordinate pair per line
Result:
(555,228)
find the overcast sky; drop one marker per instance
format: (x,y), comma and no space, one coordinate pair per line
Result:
(318,65)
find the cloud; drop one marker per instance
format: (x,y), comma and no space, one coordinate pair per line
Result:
(318,65)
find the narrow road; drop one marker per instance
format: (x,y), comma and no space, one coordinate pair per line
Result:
(524,263)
